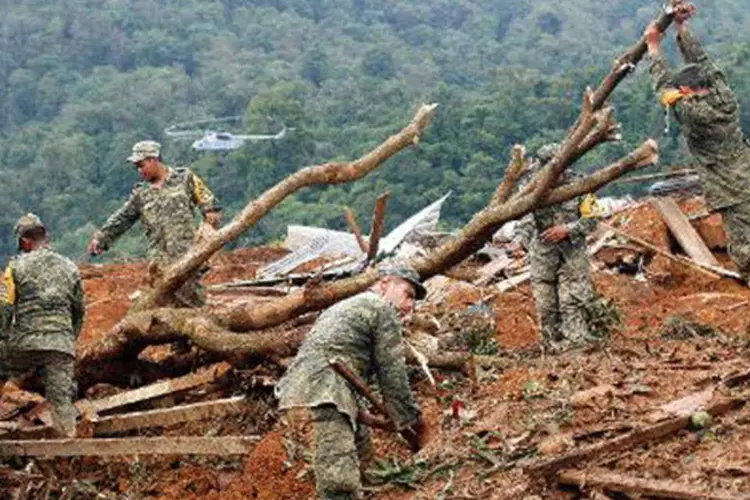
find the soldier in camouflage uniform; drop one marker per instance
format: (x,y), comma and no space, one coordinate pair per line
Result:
(555,238)
(709,117)
(42,318)
(164,204)
(365,332)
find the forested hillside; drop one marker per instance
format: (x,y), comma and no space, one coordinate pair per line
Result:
(81,80)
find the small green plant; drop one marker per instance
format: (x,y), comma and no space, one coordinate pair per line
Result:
(396,472)
(602,317)
(678,327)
(533,389)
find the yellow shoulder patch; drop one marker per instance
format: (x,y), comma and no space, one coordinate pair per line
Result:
(10,286)
(201,193)
(590,207)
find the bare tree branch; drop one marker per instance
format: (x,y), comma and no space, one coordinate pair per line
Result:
(329,173)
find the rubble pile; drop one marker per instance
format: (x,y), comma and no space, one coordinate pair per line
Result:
(521,423)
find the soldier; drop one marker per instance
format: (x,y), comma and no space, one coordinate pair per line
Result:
(365,332)
(555,238)
(42,318)
(709,117)
(165,204)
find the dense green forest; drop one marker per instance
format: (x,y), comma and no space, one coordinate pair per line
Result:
(82,80)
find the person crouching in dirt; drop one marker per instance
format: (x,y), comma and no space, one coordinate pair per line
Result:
(365,332)
(42,317)
(165,204)
(699,97)
(555,238)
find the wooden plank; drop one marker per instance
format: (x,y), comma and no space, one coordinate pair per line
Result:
(490,270)
(628,441)
(686,235)
(378,223)
(170,416)
(105,447)
(708,270)
(208,375)
(638,487)
(514,281)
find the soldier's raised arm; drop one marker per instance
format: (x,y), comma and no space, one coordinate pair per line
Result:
(661,76)
(119,222)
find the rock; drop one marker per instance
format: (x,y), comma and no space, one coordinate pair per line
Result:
(596,396)
(555,444)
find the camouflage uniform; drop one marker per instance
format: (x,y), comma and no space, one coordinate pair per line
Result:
(364,332)
(44,313)
(560,276)
(711,127)
(167,215)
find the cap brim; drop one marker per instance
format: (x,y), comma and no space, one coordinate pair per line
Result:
(134,158)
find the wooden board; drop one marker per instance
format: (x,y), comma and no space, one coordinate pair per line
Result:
(170,416)
(686,235)
(226,445)
(208,375)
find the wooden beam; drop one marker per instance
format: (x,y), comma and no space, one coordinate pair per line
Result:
(638,487)
(686,235)
(105,447)
(378,222)
(170,416)
(627,441)
(190,381)
(351,221)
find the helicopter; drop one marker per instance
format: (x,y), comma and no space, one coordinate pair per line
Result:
(211,140)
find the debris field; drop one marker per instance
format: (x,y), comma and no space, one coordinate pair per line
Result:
(658,409)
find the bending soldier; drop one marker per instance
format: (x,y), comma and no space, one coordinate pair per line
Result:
(165,205)
(555,238)
(709,117)
(365,332)
(43,316)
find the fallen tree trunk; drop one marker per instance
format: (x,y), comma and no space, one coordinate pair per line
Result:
(619,483)
(330,173)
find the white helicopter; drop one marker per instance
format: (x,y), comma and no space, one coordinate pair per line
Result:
(218,141)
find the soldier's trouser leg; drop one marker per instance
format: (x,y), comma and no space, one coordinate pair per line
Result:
(737,226)
(57,376)
(336,463)
(544,289)
(59,388)
(575,293)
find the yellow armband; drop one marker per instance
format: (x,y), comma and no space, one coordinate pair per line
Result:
(590,207)
(10,286)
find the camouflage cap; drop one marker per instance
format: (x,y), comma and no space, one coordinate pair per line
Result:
(143,150)
(406,273)
(27,223)
(548,151)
